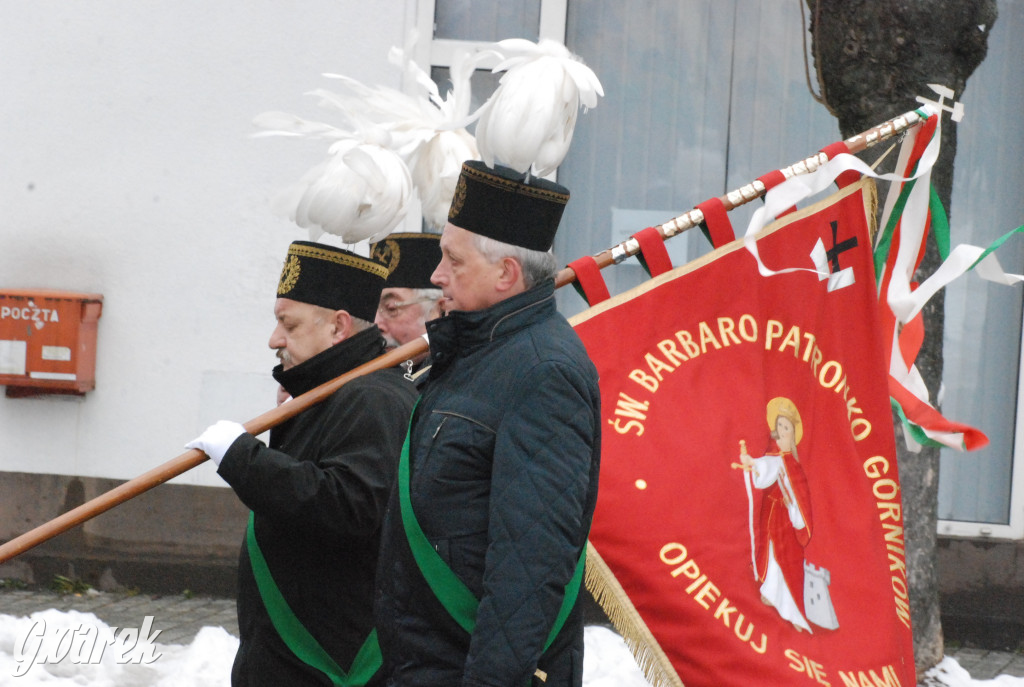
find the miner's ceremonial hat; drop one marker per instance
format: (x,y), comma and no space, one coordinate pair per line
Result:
(498,202)
(410,258)
(333,278)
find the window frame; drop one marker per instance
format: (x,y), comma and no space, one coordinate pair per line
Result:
(440,52)
(1014,530)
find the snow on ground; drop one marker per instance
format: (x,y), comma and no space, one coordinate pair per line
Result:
(206,662)
(949,674)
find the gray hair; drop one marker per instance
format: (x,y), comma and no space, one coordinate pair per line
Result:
(428,298)
(537,265)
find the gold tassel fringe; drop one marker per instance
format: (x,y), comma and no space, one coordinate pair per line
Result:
(610,595)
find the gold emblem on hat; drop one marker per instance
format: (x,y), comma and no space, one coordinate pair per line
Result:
(289,275)
(459,199)
(388,253)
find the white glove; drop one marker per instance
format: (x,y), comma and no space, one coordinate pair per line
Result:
(217,439)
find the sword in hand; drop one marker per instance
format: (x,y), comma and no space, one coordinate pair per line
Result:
(746,462)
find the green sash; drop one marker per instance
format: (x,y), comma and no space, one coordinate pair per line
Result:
(297,638)
(453,594)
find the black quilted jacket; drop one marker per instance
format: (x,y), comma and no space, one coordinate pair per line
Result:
(504,459)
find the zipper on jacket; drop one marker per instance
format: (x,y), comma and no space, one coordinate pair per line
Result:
(447,413)
(439,426)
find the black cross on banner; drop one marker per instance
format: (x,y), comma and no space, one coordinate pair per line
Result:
(833,253)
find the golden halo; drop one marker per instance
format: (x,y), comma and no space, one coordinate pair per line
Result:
(780,405)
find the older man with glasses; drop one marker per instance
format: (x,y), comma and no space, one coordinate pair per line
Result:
(409,299)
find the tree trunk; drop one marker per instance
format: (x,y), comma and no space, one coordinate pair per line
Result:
(873,58)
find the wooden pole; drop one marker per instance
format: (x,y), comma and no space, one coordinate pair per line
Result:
(193,457)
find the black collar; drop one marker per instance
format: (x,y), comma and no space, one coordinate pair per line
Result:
(463,331)
(333,362)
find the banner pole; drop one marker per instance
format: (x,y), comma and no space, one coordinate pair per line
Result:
(193,457)
(614,255)
(752,191)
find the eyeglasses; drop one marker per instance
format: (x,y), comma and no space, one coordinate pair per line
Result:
(392,309)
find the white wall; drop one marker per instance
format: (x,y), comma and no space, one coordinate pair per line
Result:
(126,169)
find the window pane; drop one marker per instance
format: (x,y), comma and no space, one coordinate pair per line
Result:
(486,20)
(677,126)
(654,145)
(983,320)
(483,81)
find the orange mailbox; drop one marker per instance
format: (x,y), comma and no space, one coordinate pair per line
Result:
(48,341)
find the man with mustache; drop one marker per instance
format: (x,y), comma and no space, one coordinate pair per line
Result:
(318,491)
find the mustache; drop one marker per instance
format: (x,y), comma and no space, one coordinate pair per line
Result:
(284,356)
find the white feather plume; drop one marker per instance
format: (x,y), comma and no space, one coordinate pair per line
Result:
(427,130)
(361,192)
(528,123)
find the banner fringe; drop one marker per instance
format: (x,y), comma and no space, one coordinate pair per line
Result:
(612,599)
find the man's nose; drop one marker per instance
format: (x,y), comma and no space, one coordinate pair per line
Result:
(438,277)
(276,338)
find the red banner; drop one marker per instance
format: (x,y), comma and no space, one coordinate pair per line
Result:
(749,503)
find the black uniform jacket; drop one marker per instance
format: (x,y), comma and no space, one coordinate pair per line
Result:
(504,459)
(318,493)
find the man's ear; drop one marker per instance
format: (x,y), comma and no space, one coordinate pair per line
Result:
(342,326)
(510,279)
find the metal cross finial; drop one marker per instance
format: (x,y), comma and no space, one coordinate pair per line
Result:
(956,110)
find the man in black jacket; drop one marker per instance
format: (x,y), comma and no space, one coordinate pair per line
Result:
(319,490)
(482,549)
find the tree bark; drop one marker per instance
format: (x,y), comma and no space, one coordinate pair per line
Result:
(873,57)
